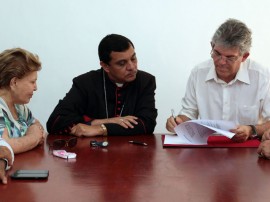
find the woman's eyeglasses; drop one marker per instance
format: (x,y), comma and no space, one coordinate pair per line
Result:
(61,143)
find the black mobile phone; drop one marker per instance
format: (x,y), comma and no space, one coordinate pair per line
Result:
(30,174)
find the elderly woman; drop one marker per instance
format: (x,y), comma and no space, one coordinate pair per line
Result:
(18,76)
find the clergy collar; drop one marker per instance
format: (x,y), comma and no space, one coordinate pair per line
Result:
(120,85)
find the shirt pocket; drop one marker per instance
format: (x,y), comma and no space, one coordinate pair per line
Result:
(248,115)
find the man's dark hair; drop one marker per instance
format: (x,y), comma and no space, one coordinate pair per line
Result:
(112,42)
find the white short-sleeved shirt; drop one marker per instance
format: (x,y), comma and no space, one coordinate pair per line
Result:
(4,143)
(245,100)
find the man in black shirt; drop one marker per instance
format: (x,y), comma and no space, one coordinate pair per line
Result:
(117,99)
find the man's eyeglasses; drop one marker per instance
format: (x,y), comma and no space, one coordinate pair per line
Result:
(217,56)
(61,143)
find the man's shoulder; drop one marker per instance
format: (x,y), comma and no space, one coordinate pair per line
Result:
(88,76)
(204,66)
(91,73)
(252,65)
(144,74)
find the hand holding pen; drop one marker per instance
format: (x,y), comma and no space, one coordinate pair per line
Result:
(177,119)
(172,122)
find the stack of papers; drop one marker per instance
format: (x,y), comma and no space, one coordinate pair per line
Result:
(196,132)
(205,133)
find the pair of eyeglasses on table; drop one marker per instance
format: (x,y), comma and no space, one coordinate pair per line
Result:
(72,142)
(58,146)
(62,143)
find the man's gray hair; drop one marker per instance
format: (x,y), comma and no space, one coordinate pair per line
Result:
(233,33)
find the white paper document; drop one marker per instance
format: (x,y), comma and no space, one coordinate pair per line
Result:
(198,131)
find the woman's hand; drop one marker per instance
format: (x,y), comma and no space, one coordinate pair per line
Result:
(37,132)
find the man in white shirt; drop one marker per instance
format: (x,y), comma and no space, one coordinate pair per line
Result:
(229,86)
(6,159)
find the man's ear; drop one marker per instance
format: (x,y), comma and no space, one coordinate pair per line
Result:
(245,56)
(212,44)
(104,66)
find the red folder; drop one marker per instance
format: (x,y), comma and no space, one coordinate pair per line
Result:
(217,141)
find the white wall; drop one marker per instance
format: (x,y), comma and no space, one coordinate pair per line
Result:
(170,37)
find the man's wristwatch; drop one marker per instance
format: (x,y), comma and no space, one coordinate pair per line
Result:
(254,132)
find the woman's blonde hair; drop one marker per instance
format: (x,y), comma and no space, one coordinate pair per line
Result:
(17,62)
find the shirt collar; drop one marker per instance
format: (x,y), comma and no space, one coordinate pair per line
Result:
(242,74)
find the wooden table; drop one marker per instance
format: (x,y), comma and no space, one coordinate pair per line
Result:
(125,172)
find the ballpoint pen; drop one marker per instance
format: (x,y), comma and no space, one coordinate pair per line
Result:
(137,142)
(172,110)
